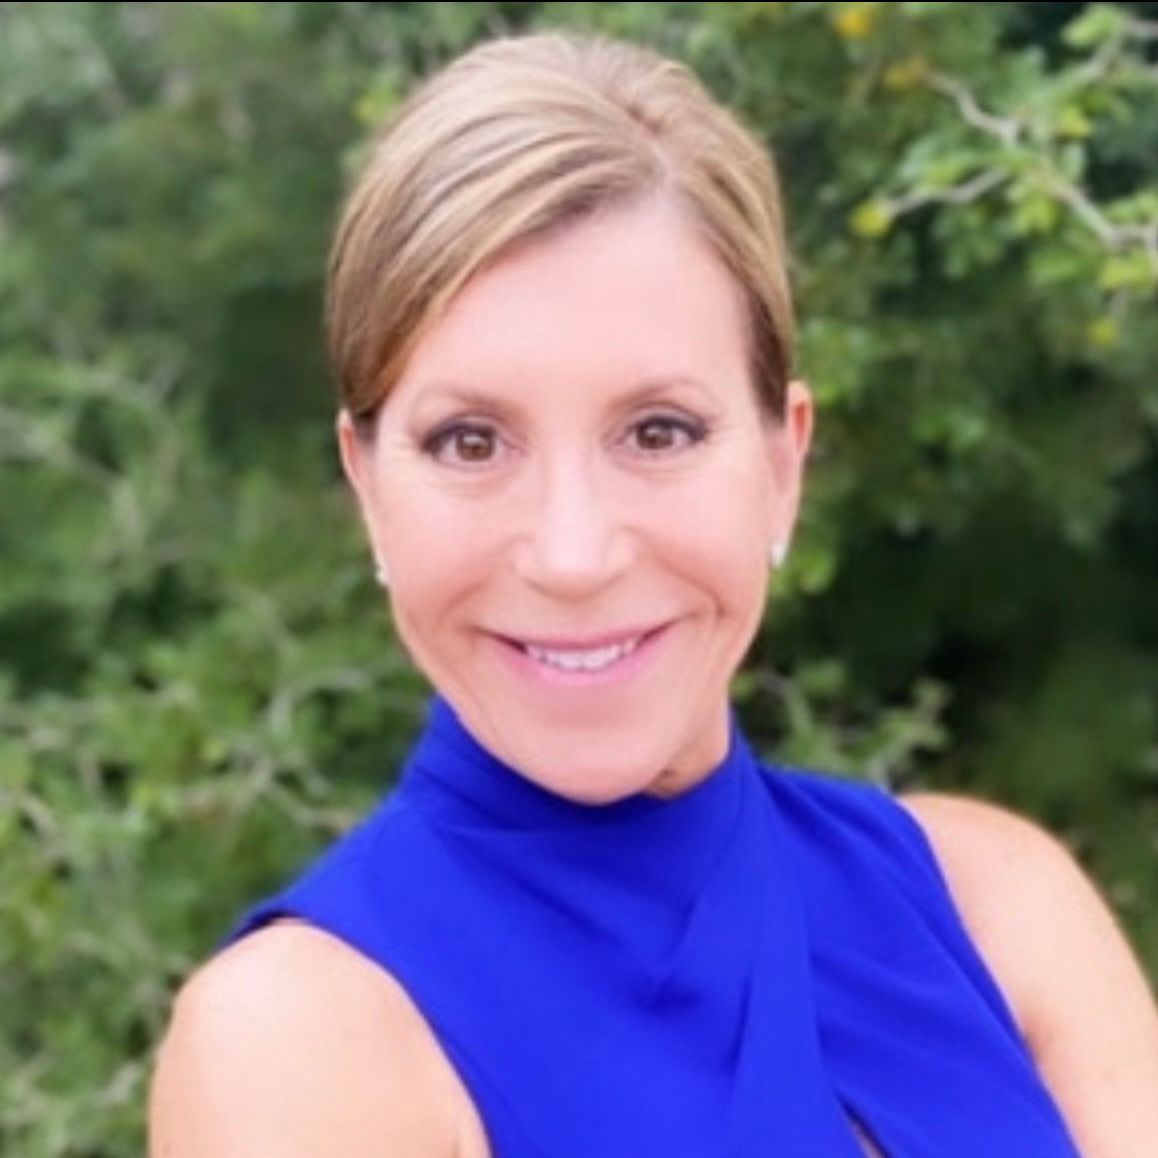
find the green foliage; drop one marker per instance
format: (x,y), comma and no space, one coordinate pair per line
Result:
(194,689)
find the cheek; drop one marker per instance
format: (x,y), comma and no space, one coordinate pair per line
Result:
(734,553)
(436,568)
(733,524)
(425,531)
(723,555)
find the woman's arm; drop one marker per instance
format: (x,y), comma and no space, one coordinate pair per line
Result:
(1067,971)
(290,1044)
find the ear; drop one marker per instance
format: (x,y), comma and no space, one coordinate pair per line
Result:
(350,449)
(788,442)
(356,451)
(353,451)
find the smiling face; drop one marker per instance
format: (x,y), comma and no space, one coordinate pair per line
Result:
(575,492)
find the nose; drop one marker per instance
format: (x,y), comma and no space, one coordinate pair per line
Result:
(576,539)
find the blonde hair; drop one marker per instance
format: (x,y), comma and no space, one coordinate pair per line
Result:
(520,137)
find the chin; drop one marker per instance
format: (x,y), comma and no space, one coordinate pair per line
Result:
(602,775)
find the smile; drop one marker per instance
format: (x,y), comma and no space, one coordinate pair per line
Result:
(582,659)
(607,660)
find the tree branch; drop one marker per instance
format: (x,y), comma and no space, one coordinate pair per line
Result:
(1142,29)
(1006,129)
(972,190)
(1113,236)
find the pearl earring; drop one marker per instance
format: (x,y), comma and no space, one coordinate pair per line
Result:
(778,554)
(381,575)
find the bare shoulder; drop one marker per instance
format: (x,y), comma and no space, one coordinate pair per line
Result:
(290,1043)
(1065,967)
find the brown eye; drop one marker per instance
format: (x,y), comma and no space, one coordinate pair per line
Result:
(463,444)
(659,434)
(473,444)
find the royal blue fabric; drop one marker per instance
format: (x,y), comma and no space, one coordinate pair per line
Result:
(735,972)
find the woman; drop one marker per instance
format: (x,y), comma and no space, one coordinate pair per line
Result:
(587,922)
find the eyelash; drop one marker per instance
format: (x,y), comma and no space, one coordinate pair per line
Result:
(691,431)
(438,443)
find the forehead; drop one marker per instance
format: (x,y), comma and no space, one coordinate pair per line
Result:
(628,294)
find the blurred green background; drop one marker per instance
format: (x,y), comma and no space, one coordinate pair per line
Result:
(197,685)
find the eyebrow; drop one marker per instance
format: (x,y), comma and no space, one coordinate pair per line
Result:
(455,392)
(654,388)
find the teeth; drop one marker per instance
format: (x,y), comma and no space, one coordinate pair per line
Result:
(593,659)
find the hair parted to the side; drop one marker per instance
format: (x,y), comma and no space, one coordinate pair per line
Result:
(522,136)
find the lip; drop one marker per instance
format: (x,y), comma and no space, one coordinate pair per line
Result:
(544,675)
(584,643)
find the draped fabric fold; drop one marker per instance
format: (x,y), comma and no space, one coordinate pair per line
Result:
(740,971)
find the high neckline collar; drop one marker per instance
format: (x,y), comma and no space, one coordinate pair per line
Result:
(493,792)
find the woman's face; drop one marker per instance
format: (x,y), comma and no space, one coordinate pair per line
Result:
(575,493)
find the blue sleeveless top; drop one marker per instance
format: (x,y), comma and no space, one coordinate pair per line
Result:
(737,972)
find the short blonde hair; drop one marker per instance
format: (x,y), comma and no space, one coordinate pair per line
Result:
(520,137)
